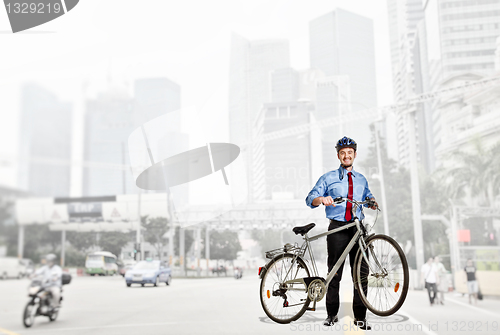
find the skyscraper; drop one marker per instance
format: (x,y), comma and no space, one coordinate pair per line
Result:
(154,97)
(342,44)
(285,163)
(409,68)
(45,143)
(284,85)
(251,64)
(111,118)
(108,123)
(460,42)
(468,31)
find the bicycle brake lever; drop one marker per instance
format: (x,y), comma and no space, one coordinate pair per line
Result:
(338,200)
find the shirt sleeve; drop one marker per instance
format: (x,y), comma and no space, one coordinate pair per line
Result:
(367,192)
(319,190)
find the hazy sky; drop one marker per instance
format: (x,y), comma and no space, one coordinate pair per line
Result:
(186,41)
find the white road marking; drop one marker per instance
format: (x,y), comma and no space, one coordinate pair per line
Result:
(481,310)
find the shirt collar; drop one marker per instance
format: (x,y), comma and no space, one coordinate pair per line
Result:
(343,172)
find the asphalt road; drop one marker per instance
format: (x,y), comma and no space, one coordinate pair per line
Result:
(104,305)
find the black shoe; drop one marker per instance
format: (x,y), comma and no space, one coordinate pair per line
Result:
(362,324)
(330,320)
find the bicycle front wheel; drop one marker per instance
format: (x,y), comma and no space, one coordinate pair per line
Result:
(284,303)
(382,283)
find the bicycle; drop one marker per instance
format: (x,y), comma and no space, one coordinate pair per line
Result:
(380,272)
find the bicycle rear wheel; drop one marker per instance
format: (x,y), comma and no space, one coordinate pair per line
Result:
(284,303)
(383,283)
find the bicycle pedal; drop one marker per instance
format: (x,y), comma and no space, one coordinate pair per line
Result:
(310,309)
(314,306)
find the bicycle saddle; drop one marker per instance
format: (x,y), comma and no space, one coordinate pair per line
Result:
(302,230)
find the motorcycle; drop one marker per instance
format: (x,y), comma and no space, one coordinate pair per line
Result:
(238,273)
(40,298)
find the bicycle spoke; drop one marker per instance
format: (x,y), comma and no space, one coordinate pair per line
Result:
(387,284)
(274,291)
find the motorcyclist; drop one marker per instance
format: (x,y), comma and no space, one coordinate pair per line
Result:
(52,279)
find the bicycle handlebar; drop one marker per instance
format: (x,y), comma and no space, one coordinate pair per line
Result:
(367,201)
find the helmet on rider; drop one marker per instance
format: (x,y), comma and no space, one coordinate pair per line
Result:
(346,142)
(50,259)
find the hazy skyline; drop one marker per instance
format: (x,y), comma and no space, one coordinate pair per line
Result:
(186,42)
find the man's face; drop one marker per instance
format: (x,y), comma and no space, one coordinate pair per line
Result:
(346,157)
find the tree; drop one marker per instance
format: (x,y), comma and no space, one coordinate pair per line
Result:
(113,241)
(473,177)
(39,240)
(156,228)
(81,241)
(224,245)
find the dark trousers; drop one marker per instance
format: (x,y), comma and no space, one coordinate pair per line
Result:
(336,244)
(431,287)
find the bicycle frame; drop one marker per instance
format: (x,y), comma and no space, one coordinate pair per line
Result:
(306,246)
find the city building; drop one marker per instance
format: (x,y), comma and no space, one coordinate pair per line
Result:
(284,85)
(471,116)
(342,44)
(109,120)
(251,65)
(468,31)
(154,97)
(461,40)
(282,167)
(332,101)
(44,143)
(411,69)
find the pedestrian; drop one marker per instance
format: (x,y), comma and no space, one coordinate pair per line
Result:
(430,279)
(472,285)
(347,183)
(442,285)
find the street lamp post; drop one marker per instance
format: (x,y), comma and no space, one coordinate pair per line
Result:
(382,183)
(415,193)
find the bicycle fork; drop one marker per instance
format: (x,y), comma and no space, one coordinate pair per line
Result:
(362,248)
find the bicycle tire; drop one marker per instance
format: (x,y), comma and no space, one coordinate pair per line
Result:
(297,301)
(385,294)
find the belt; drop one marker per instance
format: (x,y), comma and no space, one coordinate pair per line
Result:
(340,222)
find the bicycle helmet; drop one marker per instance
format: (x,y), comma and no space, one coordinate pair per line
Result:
(346,142)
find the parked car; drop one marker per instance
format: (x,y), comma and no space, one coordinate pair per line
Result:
(149,272)
(11,267)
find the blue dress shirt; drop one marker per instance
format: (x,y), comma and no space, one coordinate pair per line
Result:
(336,184)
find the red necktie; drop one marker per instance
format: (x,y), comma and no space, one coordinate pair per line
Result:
(348,207)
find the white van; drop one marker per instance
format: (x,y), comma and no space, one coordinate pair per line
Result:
(11,267)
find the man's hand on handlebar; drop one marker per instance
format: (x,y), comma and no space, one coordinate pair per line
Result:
(374,204)
(327,201)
